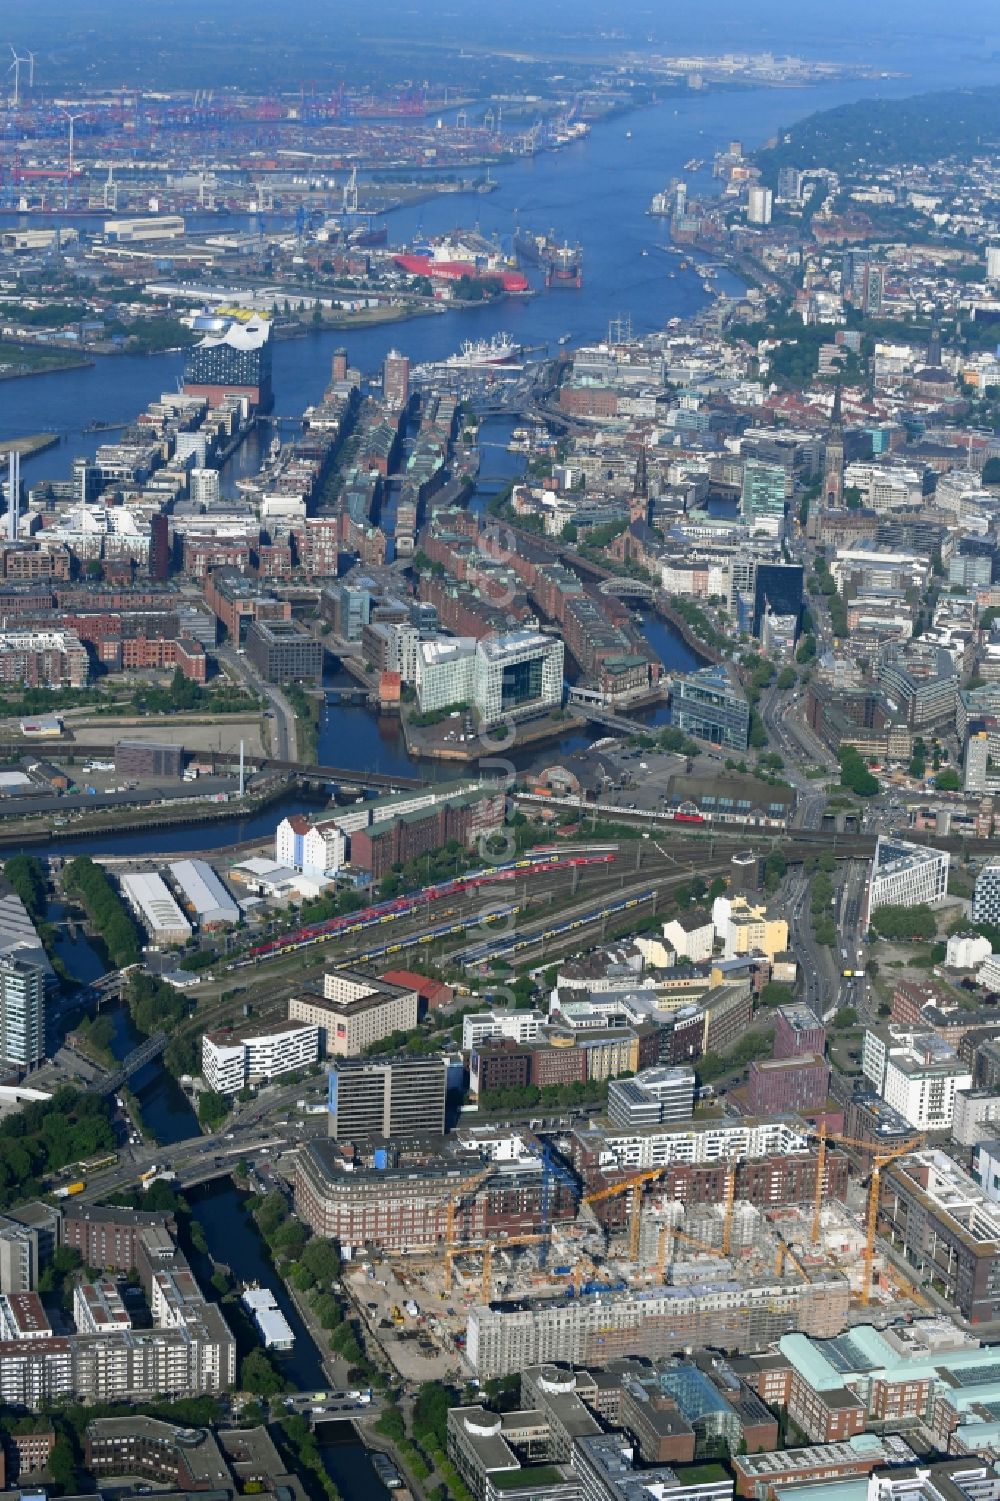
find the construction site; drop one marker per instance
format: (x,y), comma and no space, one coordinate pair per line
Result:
(625,1268)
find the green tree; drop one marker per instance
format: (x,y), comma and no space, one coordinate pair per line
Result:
(213,1108)
(258,1375)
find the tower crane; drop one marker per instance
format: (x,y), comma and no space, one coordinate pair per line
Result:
(451,1209)
(880,1160)
(669,1233)
(637,1182)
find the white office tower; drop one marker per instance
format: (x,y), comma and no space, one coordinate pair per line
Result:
(22,1011)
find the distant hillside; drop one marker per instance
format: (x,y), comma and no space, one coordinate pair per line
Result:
(884,132)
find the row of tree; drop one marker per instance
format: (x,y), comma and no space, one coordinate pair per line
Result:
(88,884)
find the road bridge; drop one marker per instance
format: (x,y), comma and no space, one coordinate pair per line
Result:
(598,714)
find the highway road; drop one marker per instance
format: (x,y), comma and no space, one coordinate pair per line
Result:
(815,959)
(283,722)
(798,747)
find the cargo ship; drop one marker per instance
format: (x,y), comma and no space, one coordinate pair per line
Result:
(481,353)
(564,267)
(562,264)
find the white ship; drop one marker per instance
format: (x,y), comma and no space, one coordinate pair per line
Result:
(473,355)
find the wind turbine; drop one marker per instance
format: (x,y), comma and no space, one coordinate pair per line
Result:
(72,121)
(15,68)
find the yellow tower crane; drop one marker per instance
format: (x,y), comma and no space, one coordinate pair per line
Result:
(669,1233)
(636,1183)
(880,1160)
(471,1186)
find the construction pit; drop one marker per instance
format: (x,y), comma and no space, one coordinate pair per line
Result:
(417,1307)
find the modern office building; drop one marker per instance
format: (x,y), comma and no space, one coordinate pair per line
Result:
(760,202)
(777,592)
(233,359)
(654,1097)
(986,897)
(517,675)
(23,983)
(710,704)
(763,495)
(506,677)
(906,875)
(283,651)
(241,1057)
(390,1097)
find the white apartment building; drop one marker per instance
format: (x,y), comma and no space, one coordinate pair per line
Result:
(690,938)
(237,1058)
(314,849)
(917,1073)
(520,1026)
(695,1142)
(906,875)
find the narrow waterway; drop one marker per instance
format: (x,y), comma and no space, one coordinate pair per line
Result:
(347,1462)
(232,1236)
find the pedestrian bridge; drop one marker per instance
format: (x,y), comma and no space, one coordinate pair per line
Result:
(627,588)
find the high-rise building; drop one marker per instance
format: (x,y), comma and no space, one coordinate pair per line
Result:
(402,1096)
(711,705)
(396,379)
(22,1011)
(234,359)
(159,548)
(763,494)
(777,590)
(760,203)
(203,485)
(986,897)
(338,365)
(993,263)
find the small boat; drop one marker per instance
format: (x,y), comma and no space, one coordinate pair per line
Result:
(628,135)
